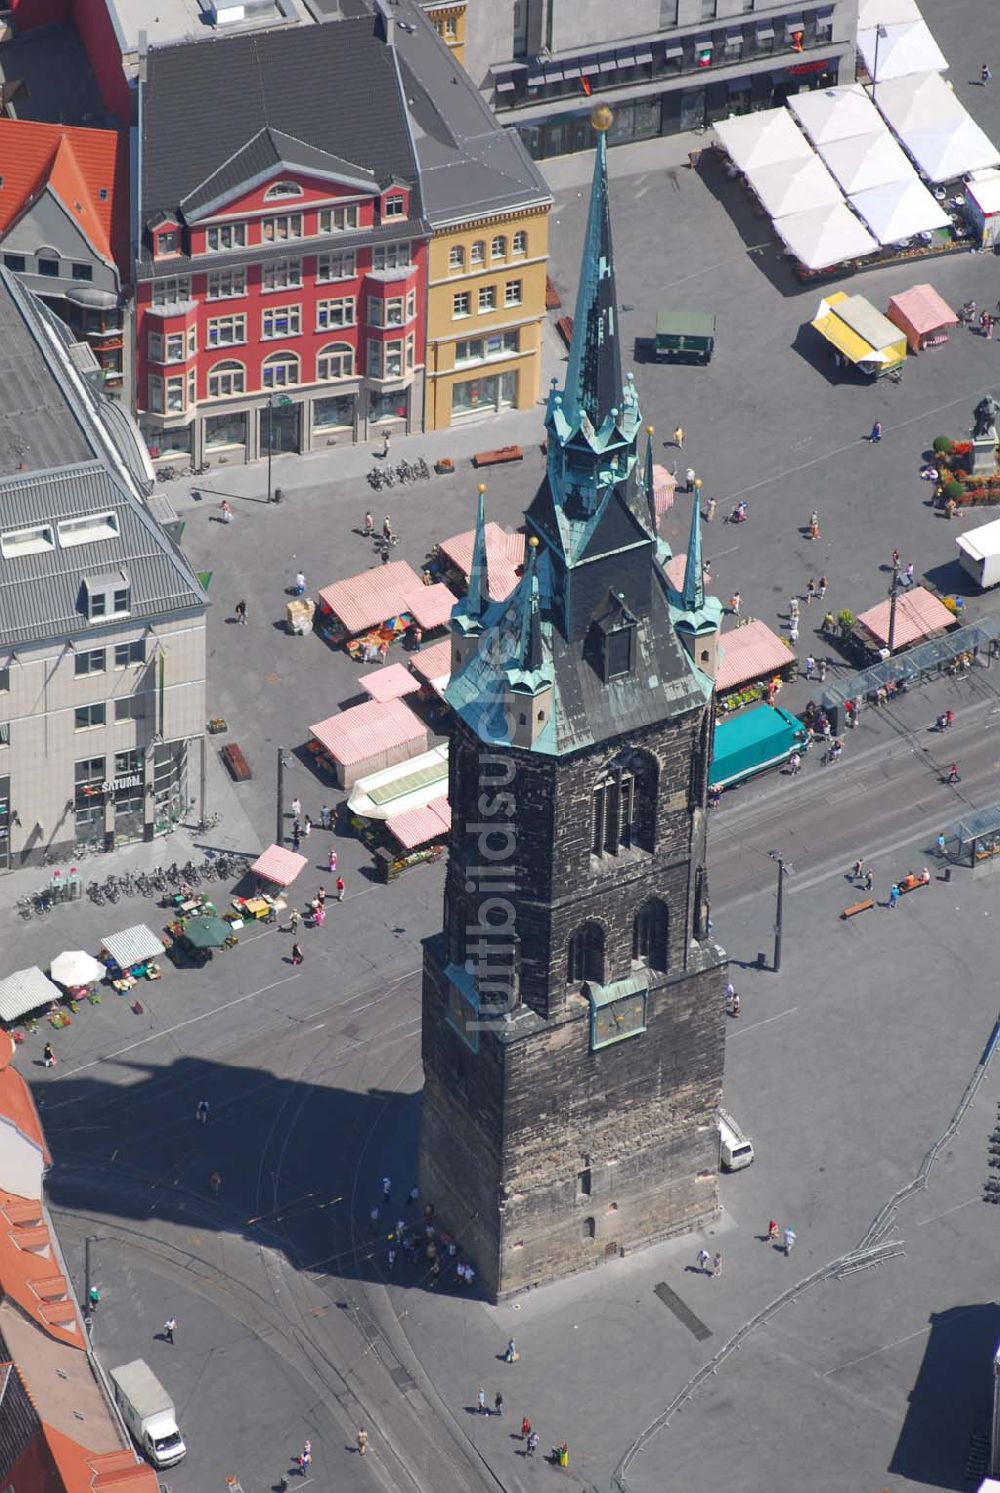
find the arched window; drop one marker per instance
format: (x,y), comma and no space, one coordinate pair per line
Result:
(226,378)
(498,247)
(335,360)
(585,955)
(650,933)
(282,189)
(519,243)
(279,370)
(477,253)
(623,805)
(456,258)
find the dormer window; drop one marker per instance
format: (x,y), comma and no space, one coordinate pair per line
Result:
(614,640)
(167,241)
(394,207)
(618,652)
(107,596)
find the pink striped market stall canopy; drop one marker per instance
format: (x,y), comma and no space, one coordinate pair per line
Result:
(390,683)
(363,601)
(504,557)
(418,826)
(750,652)
(279,865)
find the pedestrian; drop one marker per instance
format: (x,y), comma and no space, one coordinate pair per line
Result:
(821,670)
(532,1446)
(908,575)
(305,1460)
(793,606)
(498,1403)
(821,586)
(810,666)
(388,534)
(362,1442)
(340,889)
(296,839)
(810,590)
(984,74)
(169,1328)
(201,1112)
(241,613)
(324,817)
(940,843)
(48,1056)
(953,776)
(369,526)
(510,1352)
(93,1298)
(858,869)
(296,807)
(793,631)
(789,1241)
(320,897)
(307,827)
(332,862)
(215,1182)
(703,1258)
(828,624)
(294,919)
(227,512)
(413,1195)
(869,879)
(894,559)
(319,914)
(373,1216)
(385,448)
(773,1231)
(876,433)
(297,955)
(717,1263)
(893,897)
(689,477)
(386,1187)
(735,602)
(482,1401)
(814,525)
(949,719)
(710,511)
(391,1259)
(735,1004)
(795,763)
(525,1428)
(300,583)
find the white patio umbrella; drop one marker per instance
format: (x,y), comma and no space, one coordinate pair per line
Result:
(76,967)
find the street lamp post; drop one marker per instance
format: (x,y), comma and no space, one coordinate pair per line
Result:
(279,400)
(279,831)
(893,593)
(880,35)
(87,1278)
(779,910)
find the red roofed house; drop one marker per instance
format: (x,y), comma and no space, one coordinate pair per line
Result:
(58,1433)
(64,225)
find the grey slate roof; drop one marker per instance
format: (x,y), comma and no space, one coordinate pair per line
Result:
(41,595)
(333,86)
(260,156)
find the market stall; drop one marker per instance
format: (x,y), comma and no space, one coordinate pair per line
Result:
(366,737)
(279,865)
(25,992)
(900,50)
(664,490)
(749,654)
(433,667)
(390,683)
(75,968)
(825,236)
(504,559)
(832,114)
(371,611)
(982,206)
(131,955)
(794,186)
(935,128)
(919,615)
(860,333)
(768,138)
(417,827)
(865,161)
(396,790)
(922,316)
(897,211)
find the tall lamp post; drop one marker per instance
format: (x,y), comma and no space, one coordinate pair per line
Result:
(880,35)
(893,593)
(273,400)
(783,871)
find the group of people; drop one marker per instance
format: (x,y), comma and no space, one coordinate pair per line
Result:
(784,1238)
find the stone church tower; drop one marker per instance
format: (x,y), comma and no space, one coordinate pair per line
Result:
(573,1022)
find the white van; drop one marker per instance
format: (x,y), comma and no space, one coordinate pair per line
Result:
(735,1148)
(148,1412)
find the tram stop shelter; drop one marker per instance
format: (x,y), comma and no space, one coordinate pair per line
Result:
(979,642)
(974,839)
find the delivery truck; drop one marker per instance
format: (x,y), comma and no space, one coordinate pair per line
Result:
(735,1148)
(148,1411)
(979,554)
(755,739)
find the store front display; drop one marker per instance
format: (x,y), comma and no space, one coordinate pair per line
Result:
(386,405)
(170,784)
(484,395)
(128,789)
(333,412)
(226,430)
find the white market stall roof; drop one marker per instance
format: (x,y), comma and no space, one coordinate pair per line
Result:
(794,186)
(280,865)
(407,785)
(763,139)
(835,113)
(899,209)
(886,13)
(905,48)
(433,665)
(917,102)
(825,235)
(949,149)
(26,990)
(76,967)
(984,188)
(865,161)
(132,945)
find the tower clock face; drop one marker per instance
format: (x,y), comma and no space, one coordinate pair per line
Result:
(619,1019)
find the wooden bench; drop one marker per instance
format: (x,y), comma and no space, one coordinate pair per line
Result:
(863,906)
(910,886)
(498,457)
(564,326)
(239,767)
(552,301)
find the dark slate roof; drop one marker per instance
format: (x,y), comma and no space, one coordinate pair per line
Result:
(469,164)
(41,595)
(333,87)
(594,369)
(267,151)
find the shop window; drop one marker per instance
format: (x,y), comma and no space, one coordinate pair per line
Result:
(334,413)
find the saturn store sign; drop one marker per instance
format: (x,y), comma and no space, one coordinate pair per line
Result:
(120,785)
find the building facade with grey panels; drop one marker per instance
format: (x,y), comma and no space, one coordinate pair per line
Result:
(102,620)
(663,66)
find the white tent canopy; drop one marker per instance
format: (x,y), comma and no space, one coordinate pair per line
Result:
(763,139)
(917,102)
(899,209)
(949,149)
(872,13)
(794,186)
(132,945)
(866,161)
(825,235)
(902,50)
(835,113)
(26,990)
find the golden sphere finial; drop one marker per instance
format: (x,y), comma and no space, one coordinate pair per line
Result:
(650,429)
(601,118)
(481,487)
(533,542)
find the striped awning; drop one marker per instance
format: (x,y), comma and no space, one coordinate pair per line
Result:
(418,826)
(279,865)
(132,945)
(24,991)
(430,606)
(389,683)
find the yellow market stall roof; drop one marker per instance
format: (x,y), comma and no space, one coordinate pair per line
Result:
(855,328)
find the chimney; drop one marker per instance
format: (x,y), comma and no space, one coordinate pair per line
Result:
(386,22)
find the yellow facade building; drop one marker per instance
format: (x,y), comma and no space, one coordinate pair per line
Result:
(485,314)
(448,19)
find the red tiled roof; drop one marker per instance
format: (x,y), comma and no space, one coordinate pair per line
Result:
(83,1471)
(30,1275)
(18,1107)
(77,163)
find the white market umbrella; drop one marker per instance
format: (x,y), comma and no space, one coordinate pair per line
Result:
(794,187)
(762,139)
(835,113)
(918,102)
(902,51)
(76,967)
(899,209)
(866,161)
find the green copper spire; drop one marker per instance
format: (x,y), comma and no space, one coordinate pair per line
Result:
(478,597)
(594,371)
(648,482)
(693,596)
(529,642)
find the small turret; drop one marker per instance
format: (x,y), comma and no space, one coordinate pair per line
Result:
(698,618)
(468,615)
(529,688)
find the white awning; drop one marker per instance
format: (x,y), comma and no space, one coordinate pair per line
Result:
(835,113)
(899,209)
(866,161)
(132,945)
(903,50)
(947,150)
(825,236)
(26,990)
(763,139)
(794,186)
(918,102)
(886,13)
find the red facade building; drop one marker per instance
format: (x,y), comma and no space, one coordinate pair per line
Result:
(280,287)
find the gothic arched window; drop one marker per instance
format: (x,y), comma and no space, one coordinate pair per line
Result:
(623,805)
(650,933)
(585,955)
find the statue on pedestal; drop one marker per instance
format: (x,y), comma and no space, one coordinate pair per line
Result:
(985,416)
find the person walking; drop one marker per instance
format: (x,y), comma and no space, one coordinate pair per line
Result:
(735,602)
(793,606)
(689,477)
(498,1403)
(300,583)
(679,437)
(387,1187)
(201,1112)
(296,807)
(940,844)
(795,764)
(307,827)
(294,920)
(814,525)
(215,1183)
(984,74)
(703,1259)
(481,1397)
(368,529)
(710,511)
(793,631)
(362,1442)
(893,897)
(305,1460)
(869,879)
(169,1328)
(908,575)
(953,776)
(810,666)
(876,433)
(716,1263)
(227,512)
(297,955)
(821,587)
(789,1241)
(773,1232)
(296,838)
(532,1445)
(810,590)
(525,1428)
(332,862)
(341,889)
(48,1056)
(241,613)
(510,1352)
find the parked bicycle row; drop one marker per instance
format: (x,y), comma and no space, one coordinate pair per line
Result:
(162,881)
(406,471)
